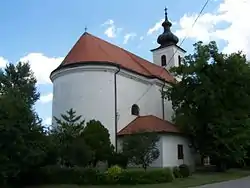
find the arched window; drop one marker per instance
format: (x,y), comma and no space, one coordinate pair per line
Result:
(179,60)
(135,110)
(163,60)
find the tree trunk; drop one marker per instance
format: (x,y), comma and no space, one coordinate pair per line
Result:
(95,163)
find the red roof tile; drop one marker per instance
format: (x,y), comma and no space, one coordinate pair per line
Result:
(149,124)
(93,49)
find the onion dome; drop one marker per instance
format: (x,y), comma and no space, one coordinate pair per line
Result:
(167,37)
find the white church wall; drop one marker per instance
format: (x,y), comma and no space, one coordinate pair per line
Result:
(156,163)
(90,93)
(159,161)
(170,151)
(168,52)
(131,91)
(168,110)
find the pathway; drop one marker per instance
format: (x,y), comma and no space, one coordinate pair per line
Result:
(239,183)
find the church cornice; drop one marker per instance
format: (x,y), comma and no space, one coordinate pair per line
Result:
(163,47)
(105,66)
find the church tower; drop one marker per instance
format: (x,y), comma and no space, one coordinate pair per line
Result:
(168,54)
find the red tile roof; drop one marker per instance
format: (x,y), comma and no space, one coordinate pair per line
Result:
(149,124)
(93,49)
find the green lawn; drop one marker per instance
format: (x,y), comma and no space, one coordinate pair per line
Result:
(195,180)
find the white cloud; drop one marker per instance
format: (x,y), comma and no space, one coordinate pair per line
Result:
(42,66)
(155,28)
(46,98)
(141,38)
(128,36)
(232,14)
(47,121)
(111,31)
(3,62)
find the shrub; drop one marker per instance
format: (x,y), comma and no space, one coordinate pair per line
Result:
(146,177)
(112,174)
(83,176)
(114,170)
(65,175)
(184,170)
(118,159)
(176,172)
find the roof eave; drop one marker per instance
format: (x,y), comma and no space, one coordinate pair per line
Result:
(161,47)
(159,132)
(86,63)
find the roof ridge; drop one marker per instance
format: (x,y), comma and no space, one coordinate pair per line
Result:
(126,51)
(129,123)
(92,48)
(152,124)
(129,53)
(157,118)
(73,47)
(103,50)
(162,68)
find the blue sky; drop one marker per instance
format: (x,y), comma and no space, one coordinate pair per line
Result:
(43,31)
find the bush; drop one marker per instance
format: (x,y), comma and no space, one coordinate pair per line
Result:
(63,175)
(176,172)
(118,159)
(112,174)
(83,176)
(184,170)
(146,177)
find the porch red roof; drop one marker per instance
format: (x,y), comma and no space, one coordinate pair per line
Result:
(149,124)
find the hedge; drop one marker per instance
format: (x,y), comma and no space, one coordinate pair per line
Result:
(184,170)
(176,172)
(83,176)
(118,159)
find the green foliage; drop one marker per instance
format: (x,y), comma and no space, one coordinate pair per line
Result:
(113,173)
(176,172)
(82,176)
(184,170)
(19,79)
(22,139)
(119,159)
(97,138)
(146,150)
(61,175)
(212,102)
(70,143)
(114,170)
(146,177)
(68,126)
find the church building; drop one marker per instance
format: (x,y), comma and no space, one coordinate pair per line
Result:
(104,82)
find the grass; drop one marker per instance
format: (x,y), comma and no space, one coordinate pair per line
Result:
(195,180)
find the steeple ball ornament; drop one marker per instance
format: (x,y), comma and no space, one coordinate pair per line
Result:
(167,37)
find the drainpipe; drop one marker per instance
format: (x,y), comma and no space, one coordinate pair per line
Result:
(116,120)
(163,109)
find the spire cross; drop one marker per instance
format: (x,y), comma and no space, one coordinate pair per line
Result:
(85,28)
(166,14)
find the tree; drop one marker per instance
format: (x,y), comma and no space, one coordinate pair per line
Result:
(141,148)
(212,102)
(69,125)
(68,134)
(79,152)
(97,138)
(19,79)
(22,140)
